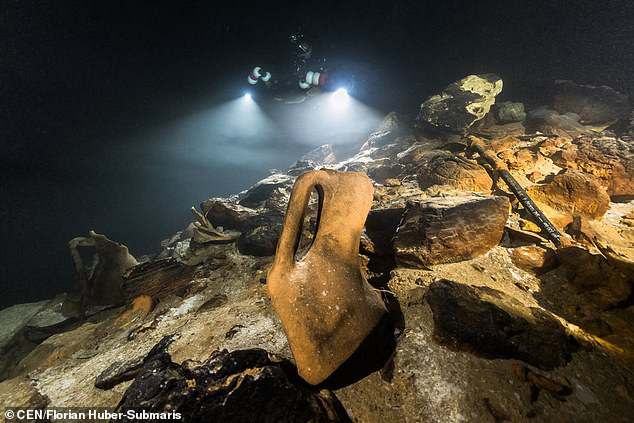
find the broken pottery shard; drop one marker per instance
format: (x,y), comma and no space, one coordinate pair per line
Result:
(462,103)
(103,286)
(447,230)
(493,324)
(241,386)
(326,306)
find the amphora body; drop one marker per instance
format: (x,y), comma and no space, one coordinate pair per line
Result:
(326,306)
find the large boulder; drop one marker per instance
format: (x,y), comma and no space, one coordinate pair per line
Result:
(572,193)
(260,234)
(244,385)
(386,133)
(13,344)
(323,154)
(553,123)
(255,196)
(496,325)
(594,105)
(449,230)
(608,159)
(593,276)
(446,169)
(462,103)
(226,213)
(24,326)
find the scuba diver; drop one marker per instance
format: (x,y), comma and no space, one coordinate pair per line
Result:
(307,75)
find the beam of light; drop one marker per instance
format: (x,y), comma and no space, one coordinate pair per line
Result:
(339,99)
(237,132)
(317,121)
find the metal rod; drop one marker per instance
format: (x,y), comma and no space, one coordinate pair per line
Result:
(542,221)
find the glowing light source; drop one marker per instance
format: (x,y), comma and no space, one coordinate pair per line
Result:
(248,96)
(339,98)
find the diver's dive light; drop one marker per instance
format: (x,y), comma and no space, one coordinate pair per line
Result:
(257,74)
(316,79)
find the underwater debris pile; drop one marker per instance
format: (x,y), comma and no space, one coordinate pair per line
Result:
(492,321)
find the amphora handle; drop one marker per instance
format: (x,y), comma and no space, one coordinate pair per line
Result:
(295,214)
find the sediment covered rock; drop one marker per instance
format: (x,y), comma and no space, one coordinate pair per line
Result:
(608,159)
(260,192)
(552,122)
(443,168)
(449,229)
(493,324)
(594,105)
(226,213)
(462,103)
(573,193)
(260,234)
(509,111)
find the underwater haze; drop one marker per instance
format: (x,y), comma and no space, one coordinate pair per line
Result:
(119,116)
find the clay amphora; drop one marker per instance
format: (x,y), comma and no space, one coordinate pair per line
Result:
(326,306)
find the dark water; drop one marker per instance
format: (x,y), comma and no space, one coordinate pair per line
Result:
(119,116)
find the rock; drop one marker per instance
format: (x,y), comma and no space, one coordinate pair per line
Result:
(260,192)
(462,103)
(54,349)
(118,372)
(322,155)
(385,134)
(392,182)
(534,259)
(21,392)
(444,168)
(278,199)
(302,166)
(177,245)
(226,213)
(608,159)
(244,385)
(572,193)
(593,276)
(594,105)
(551,122)
(508,112)
(522,160)
(13,344)
(381,226)
(449,230)
(495,325)
(260,234)
(384,171)
(558,386)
